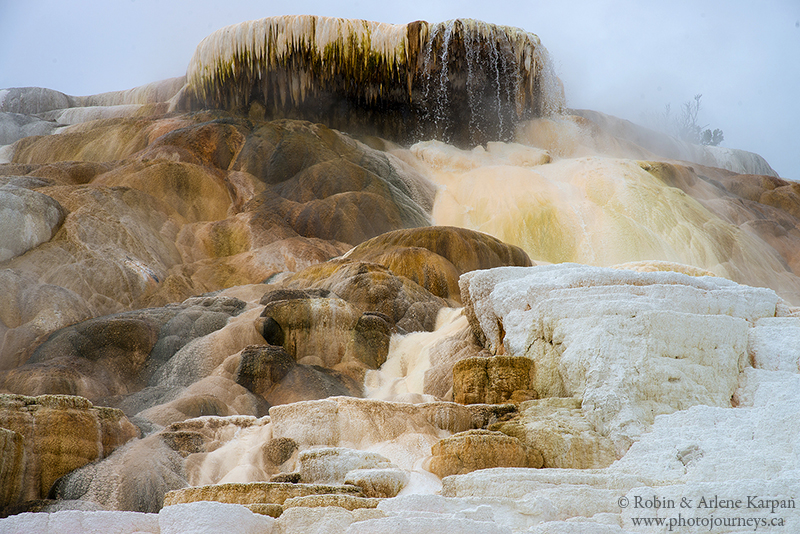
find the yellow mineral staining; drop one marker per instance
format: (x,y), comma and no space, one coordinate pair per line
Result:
(297,54)
(594,210)
(460,74)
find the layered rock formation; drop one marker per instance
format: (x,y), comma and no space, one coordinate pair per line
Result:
(436,257)
(47,437)
(199,224)
(263,312)
(463,81)
(11,474)
(493,380)
(480,449)
(587,330)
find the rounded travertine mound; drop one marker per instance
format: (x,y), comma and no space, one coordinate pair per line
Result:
(94,359)
(254,492)
(323,331)
(96,141)
(27,219)
(32,100)
(320,328)
(262,367)
(194,191)
(461,80)
(321,183)
(467,250)
(116,355)
(60,434)
(435,256)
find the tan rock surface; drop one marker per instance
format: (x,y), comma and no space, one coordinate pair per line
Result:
(94,141)
(12,466)
(434,257)
(480,449)
(372,287)
(492,380)
(272,510)
(348,502)
(327,331)
(162,209)
(197,193)
(60,434)
(381,483)
(558,430)
(254,492)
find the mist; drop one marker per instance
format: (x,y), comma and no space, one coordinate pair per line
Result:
(622,58)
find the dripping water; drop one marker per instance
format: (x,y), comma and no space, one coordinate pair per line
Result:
(470,42)
(493,81)
(428,66)
(468,82)
(441,107)
(494,63)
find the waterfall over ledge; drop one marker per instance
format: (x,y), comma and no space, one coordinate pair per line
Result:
(462,81)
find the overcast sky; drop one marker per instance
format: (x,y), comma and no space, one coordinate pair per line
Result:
(626,58)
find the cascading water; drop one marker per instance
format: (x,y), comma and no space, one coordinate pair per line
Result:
(471,80)
(440,106)
(462,81)
(497,70)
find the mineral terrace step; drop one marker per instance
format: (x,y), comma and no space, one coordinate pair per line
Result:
(255,492)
